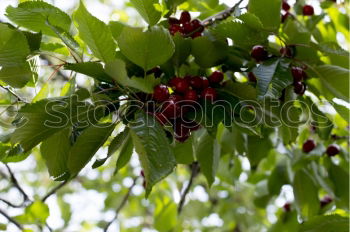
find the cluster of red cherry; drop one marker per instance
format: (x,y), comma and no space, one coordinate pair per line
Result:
(308,10)
(186,93)
(185,26)
(310,145)
(298,76)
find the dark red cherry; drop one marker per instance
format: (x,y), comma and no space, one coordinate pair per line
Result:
(191,96)
(196,34)
(172,20)
(209,94)
(171,109)
(298,74)
(161,93)
(181,132)
(259,53)
(205,83)
(325,201)
(309,145)
(299,88)
(180,85)
(252,77)
(216,77)
(288,51)
(185,17)
(287,207)
(308,10)
(197,25)
(285,16)
(333,150)
(187,27)
(161,118)
(285,6)
(174,28)
(196,82)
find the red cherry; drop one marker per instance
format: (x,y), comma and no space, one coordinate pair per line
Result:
(285,6)
(172,20)
(185,17)
(176,98)
(216,77)
(309,145)
(161,118)
(333,150)
(161,93)
(191,96)
(259,53)
(325,201)
(196,34)
(205,83)
(287,207)
(298,74)
(209,94)
(285,16)
(196,82)
(181,132)
(174,28)
(288,51)
(308,10)
(252,77)
(299,88)
(179,84)
(171,109)
(187,27)
(197,25)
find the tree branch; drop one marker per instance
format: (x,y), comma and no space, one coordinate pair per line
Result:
(195,170)
(10,91)
(121,205)
(16,184)
(221,15)
(11,204)
(13,221)
(54,190)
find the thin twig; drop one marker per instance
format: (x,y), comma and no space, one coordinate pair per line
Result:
(10,91)
(11,204)
(54,190)
(221,15)
(13,221)
(16,184)
(195,170)
(121,205)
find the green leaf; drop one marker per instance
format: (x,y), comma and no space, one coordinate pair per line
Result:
(269,16)
(33,15)
(184,152)
(33,39)
(151,144)
(146,49)
(296,33)
(91,69)
(125,153)
(340,179)
(182,49)
(258,148)
(117,70)
(243,91)
(16,76)
(35,213)
(242,34)
(215,52)
(306,194)
(14,48)
(95,34)
(115,144)
(264,74)
(207,151)
(55,152)
(335,79)
(44,118)
(165,217)
(326,223)
(147,10)
(116,28)
(277,179)
(87,144)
